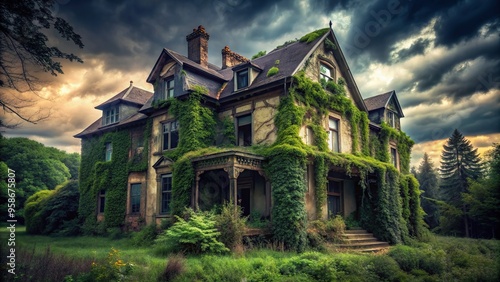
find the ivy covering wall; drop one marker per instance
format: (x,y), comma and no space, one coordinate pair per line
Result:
(110,176)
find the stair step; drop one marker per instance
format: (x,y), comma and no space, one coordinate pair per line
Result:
(357,231)
(360,240)
(358,236)
(363,245)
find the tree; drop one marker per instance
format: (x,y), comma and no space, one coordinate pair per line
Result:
(459,162)
(483,197)
(37,167)
(24,50)
(428,179)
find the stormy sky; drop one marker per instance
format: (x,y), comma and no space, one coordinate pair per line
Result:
(441,57)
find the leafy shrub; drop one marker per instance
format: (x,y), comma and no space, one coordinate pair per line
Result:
(195,235)
(33,211)
(315,265)
(351,221)
(176,265)
(47,211)
(115,233)
(231,225)
(406,257)
(145,237)
(332,229)
(409,259)
(386,268)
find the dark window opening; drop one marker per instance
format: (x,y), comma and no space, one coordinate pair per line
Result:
(166,193)
(135,198)
(394,157)
(242,79)
(111,115)
(334,198)
(170,135)
(392,119)
(244,130)
(102,201)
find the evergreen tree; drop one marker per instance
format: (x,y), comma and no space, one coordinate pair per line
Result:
(483,198)
(459,162)
(428,179)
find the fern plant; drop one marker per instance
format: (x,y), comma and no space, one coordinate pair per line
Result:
(196,235)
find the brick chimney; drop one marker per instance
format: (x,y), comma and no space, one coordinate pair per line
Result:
(230,58)
(198,46)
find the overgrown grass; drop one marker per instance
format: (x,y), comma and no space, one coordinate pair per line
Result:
(440,259)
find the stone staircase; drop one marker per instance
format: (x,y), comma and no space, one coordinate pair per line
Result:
(362,241)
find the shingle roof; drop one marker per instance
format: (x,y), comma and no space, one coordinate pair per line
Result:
(382,100)
(378,101)
(131,94)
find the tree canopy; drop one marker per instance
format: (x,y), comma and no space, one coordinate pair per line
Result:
(36,167)
(25,49)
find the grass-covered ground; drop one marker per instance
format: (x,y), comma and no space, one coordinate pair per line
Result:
(441,259)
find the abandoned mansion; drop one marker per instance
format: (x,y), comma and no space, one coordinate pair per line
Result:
(285,135)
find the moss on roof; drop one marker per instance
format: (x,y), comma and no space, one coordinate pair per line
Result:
(310,37)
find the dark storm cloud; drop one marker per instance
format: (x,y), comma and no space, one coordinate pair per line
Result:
(417,48)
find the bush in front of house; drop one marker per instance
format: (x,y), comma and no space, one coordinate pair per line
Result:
(231,225)
(197,234)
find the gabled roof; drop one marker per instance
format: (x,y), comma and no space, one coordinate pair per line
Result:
(382,100)
(182,60)
(131,95)
(292,57)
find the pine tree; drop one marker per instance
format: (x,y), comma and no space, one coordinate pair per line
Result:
(428,179)
(459,162)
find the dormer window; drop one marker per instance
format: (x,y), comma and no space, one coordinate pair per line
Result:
(169,89)
(111,115)
(242,79)
(325,73)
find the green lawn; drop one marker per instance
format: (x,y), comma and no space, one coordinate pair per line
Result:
(442,259)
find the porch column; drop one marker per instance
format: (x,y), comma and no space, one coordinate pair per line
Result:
(197,189)
(268,197)
(233,173)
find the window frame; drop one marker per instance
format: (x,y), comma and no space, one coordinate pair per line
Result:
(331,70)
(101,201)
(337,131)
(169,132)
(238,75)
(335,194)
(111,115)
(391,118)
(237,125)
(169,88)
(394,157)
(108,153)
(133,196)
(165,210)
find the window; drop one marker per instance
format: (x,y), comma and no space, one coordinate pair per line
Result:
(111,115)
(109,152)
(166,193)
(392,119)
(244,132)
(242,79)
(101,201)
(135,198)
(170,135)
(325,73)
(169,89)
(308,137)
(394,157)
(333,134)
(334,197)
